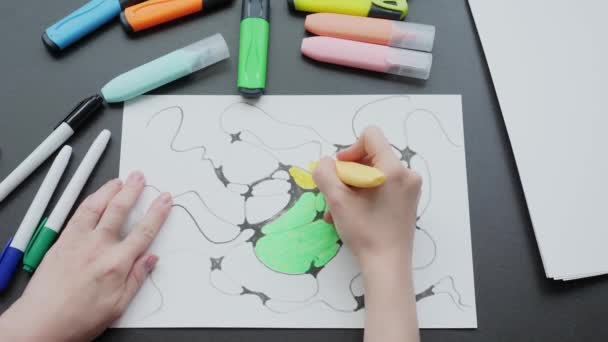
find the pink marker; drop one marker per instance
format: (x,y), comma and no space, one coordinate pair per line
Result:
(366,56)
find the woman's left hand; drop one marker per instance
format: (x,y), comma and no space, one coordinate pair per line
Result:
(90,275)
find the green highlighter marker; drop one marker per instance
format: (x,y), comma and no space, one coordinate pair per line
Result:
(253,50)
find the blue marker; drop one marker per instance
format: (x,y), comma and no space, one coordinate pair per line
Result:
(83,21)
(16,246)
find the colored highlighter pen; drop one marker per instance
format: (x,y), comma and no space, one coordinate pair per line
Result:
(393,33)
(253,48)
(367,56)
(155,12)
(165,69)
(384,9)
(356,175)
(83,21)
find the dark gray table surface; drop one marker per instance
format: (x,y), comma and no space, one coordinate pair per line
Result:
(515,302)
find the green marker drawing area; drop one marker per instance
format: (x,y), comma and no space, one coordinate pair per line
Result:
(299,240)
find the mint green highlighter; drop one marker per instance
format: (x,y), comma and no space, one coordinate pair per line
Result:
(166,69)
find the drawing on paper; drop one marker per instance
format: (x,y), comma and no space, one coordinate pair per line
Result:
(264,240)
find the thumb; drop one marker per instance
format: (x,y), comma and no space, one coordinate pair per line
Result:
(142,267)
(326,178)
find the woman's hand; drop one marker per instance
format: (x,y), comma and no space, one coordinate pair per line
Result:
(378,226)
(372,222)
(90,275)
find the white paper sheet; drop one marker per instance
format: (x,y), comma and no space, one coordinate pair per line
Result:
(226,162)
(548,61)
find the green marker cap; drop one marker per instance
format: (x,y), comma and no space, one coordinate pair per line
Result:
(40,243)
(253,49)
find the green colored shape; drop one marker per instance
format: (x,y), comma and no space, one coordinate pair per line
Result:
(302,212)
(320,204)
(295,241)
(295,251)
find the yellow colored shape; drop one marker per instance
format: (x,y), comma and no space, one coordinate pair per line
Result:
(302,178)
(355,174)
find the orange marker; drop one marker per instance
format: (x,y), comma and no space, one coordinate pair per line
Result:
(397,34)
(155,12)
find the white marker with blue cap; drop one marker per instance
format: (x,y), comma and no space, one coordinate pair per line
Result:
(15,248)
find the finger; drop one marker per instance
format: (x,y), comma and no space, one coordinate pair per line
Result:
(142,236)
(142,267)
(119,207)
(373,146)
(89,212)
(326,178)
(327,217)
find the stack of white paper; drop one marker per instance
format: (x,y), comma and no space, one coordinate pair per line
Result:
(548,63)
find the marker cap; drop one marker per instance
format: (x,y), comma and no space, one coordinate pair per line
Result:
(40,243)
(9,260)
(207,51)
(83,111)
(409,63)
(412,36)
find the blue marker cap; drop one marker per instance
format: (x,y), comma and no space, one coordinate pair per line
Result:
(83,21)
(9,260)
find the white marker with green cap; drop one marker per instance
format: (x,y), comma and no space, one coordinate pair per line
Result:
(46,235)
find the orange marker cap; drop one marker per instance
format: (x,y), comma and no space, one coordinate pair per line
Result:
(155,12)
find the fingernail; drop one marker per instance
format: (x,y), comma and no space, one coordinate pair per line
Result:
(150,263)
(166,198)
(116,182)
(136,177)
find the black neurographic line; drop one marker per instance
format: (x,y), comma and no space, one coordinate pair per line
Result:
(305,302)
(429,184)
(200,198)
(428,264)
(180,110)
(266,147)
(437,121)
(308,128)
(288,148)
(352,282)
(160,294)
(456,296)
(200,229)
(360,109)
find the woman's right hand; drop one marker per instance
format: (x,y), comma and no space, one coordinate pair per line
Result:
(378,225)
(379,222)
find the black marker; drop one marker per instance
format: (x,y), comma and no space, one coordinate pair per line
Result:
(83,111)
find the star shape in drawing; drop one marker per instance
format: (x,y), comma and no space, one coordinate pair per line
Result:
(216,263)
(407,154)
(235,137)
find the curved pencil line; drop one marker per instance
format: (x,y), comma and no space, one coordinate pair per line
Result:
(457,301)
(264,112)
(429,183)
(438,121)
(360,109)
(200,198)
(428,264)
(178,131)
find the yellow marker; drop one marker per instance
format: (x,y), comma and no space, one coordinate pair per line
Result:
(357,175)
